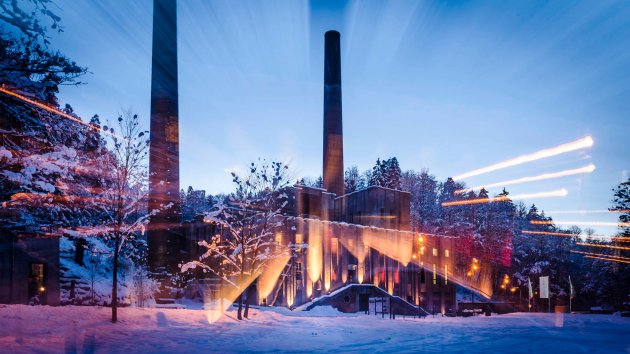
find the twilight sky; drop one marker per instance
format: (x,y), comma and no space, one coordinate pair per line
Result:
(448,86)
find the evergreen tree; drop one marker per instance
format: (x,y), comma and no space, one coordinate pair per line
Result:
(393,173)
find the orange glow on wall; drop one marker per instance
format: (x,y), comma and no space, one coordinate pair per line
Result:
(360,272)
(394,244)
(269,277)
(314,254)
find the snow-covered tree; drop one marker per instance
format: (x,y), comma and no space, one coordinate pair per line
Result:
(26,63)
(424,194)
(386,173)
(248,224)
(194,202)
(353,180)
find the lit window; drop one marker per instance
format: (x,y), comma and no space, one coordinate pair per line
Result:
(278,237)
(422,251)
(446,273)
(299,238)
(446,253)
(434,274)
(435,252)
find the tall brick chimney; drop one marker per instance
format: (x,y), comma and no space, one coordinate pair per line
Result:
(163,236)
(333,132)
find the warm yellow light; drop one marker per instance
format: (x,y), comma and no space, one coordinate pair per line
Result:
(562,192)
(42,289)
(315,252)
(267,280)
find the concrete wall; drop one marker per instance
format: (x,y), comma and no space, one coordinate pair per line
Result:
(375,206)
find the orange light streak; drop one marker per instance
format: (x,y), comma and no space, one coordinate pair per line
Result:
(52,110)
(557,193)
(564,234)
(560,149)
(587,223)
(603,246)
(601,255)
(586,169)
(609,259)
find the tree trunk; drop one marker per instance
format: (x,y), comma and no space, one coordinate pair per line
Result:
(240,307)
(115,282)
(250,295)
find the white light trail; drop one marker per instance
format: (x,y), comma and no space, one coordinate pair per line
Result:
(586,169)
(580,223)
(600,211)
(561,149)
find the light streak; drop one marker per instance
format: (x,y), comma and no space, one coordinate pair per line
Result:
(603,246)
(600,211)
(560,149)
(52,110)
(601,255)
(564,234)
(609,259)
(557,193)
(586,169)
(577,223)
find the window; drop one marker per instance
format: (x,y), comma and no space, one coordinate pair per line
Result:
(298,271)
(334,248)
(279,237)
(446,274)
(446,253)
(422,251)
(36,280)
(435,252)
(434,274)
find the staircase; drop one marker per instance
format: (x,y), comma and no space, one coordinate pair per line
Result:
(342,300)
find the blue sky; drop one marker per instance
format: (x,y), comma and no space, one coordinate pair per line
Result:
(449,86)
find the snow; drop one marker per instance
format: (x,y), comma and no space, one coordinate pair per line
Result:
(26,329)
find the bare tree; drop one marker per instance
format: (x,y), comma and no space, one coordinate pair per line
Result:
(249,221)
(129,146)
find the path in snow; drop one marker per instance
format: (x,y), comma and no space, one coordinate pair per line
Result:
(27,329)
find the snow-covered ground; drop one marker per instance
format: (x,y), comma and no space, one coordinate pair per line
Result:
(42,329)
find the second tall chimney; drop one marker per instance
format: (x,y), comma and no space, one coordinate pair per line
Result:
(333,132)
